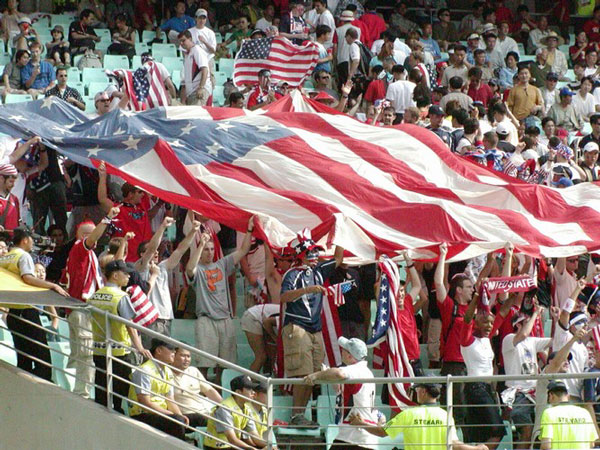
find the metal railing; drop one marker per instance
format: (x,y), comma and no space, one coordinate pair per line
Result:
(272,384)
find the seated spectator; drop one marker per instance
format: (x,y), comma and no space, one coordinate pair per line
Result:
(58,49)
(589,162)
(556,58)
(234,425)
(399,21)
(508,73)
(145,16)
(150,392)
(591,63)
(580,48)
(592,27)
(493,56)
(473,21)
(81,34)
(584,102)
(236,100)
(27,35)
(537,34)
(37,76)
(479,60)
(63,91)
(266,20)
(242,33)
(178,23)
(12,81)
(429,43)
(123,38)
(563,113)
(540,68)
(97,7)
(264,93)
(505,43)
(115,8)
(445,31)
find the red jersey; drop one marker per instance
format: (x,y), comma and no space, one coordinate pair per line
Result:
(259,96)
(592,29)
(452,322)
(484,94)
(375,25)
(504,14)
(82,272)
(133,218)
(375,91)
(408,329)
(9,219)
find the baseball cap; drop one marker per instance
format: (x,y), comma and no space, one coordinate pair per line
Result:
(241,382)
(257,31)
(160,343)
(115,266)
(126,188)
(552,76)
(103,95)
(58,28)
(436,110)
(591,147)
(566,91)
(8,170)
(557,386)
(201,13)
(563,181)
(434,389)
(502,129)
(354,346)
(473,36)
(347,16)
(24,19)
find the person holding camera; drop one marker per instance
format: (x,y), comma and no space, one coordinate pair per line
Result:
(263,93)
(29,337)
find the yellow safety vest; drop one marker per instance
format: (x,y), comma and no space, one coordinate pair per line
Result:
(107,299)
(158,387)
(239,423)
(260,422)
(10,262)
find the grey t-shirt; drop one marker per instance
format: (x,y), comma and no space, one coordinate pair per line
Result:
(160,296)
(213,298)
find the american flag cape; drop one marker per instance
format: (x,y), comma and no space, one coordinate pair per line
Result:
(389,352)
(371,190)
(144,86)
(596,335)
(287,61)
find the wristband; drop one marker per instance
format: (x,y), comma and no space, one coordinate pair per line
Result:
(106,220)
(569,305)
(410,266)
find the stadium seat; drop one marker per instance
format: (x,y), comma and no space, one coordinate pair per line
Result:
(90,107)
(141,47)
(220,78)
(74,74)
(527,58)
(41,27)
(114,62)
(136,62)
(104,34)
(218,96)
(176,78)
(102,46)
(149,36)
(172,63)
(42,21)
(97,86)
(520,47)
(63,20)
(63,377)
(219,37)
(90,74)
(570,74)
(4,58)
(161,50)
(226,66)
(386,443)
(17,98)
(228,375)
(77,85)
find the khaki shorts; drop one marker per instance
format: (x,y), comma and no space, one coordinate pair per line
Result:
(198,99)
(216,337)
(251,324)
(303,352)
(433,339)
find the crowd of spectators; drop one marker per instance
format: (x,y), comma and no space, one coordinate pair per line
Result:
(498,86)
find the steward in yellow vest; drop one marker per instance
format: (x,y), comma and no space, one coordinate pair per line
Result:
(112,299)
(151,392)
(23,320)
(234,415)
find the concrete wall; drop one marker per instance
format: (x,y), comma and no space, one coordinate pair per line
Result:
(35,414)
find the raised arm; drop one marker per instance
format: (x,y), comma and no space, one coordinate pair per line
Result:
(525,330)
(415,280)
(23,148)
(563,353)
(122,250)
(245,247)
(438,279)
(105,202)
(183,246)
(338,255)
(565,312)
(190,269)
(153,244)
(506,267)
(99,230)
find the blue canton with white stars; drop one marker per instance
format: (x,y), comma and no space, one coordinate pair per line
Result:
(255,49)
(382,318)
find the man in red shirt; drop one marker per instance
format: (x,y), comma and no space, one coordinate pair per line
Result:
(406,316)
(83,278)
(10,215)
(133,214)
(453,304)
(377,87)
(478,90)
(263,93)
(375,25)
(592,26)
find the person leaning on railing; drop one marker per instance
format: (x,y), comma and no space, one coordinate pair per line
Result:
(424,426)
(112,299)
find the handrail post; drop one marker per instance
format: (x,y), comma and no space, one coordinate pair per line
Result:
(449,408)
(270,431)
(109,377)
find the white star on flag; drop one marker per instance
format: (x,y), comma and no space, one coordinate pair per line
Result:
(131,143)
(149,132)
(119,131)
(94,151)
(17,118)
(186,130)
(214,149)
(264,128)
(224,126)
(176,143)
(47,103)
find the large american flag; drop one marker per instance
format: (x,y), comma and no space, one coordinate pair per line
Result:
(389,352)
(144,86)
(287,62)
(372,190)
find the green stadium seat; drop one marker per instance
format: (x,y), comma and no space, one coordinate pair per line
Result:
(90,107)
(97,86)
(42,22)
(176,78)
(114,62)
(220,78)
(74,74)
(149,36)
(141,47)
(104,34)
(136,62)
(226,66)
(5,58)
(17,98)
(172,63)
(64,20)
(59,353)
(102,46)
(226,377)
(77,85)
(218,96)
(162,50)
(90,74)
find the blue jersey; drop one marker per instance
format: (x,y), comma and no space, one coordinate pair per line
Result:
(305,311)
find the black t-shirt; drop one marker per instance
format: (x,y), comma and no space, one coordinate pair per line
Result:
(350,310)
(78,27)
(84,190)
(432,306)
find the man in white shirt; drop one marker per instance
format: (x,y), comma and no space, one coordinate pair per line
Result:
(196,88)
(353,52)
(505,43)
(343,48)
(519,351)
(494,57)
(324,18)
(194,395)
(203,36)
(267,20)
(400,92)
(458,67)
(360,401)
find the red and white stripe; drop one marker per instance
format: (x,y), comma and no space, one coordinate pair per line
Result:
(157,96)
(372,190)
(145,312)
(390,355)
(286,61)
(127,77)
(596,335)
(332,327)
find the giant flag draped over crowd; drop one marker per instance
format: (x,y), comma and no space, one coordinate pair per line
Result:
(372,190)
